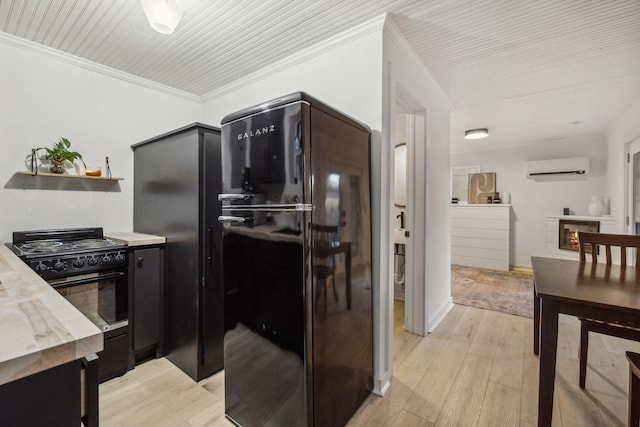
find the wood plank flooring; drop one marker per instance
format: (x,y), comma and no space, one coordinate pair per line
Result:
(476,369)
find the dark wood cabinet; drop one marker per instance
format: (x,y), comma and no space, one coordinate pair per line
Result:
(146,267)
(49,398)
(177,178)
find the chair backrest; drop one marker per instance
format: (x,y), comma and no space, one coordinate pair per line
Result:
(623,241)
(323,236)
(324,233)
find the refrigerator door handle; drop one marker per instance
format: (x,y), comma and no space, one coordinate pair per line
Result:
(234,197)
(271,208)
(210,256)
(236,219)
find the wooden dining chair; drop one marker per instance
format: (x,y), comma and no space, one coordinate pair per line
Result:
(634,389)
(324,263)
(593,241)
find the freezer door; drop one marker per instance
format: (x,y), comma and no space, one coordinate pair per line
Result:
(262,157)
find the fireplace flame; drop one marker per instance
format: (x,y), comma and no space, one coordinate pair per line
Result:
(569,233)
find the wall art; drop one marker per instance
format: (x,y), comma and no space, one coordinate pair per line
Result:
(481,187)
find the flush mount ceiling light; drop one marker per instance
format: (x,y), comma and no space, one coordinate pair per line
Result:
(476,133)
(163,15)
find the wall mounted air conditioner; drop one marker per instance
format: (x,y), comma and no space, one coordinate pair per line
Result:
(571,166)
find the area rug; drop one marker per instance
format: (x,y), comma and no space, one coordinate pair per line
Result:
(507,292)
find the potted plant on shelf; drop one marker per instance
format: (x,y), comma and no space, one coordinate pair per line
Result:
(57,155)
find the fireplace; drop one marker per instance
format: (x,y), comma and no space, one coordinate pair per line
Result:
(568,233)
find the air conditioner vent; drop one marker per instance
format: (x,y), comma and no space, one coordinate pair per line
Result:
(570,166)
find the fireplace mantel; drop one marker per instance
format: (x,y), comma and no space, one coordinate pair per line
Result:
(607,218)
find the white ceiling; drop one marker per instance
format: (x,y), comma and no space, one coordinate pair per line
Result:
(530,71)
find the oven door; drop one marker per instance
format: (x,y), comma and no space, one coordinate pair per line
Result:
(101,297)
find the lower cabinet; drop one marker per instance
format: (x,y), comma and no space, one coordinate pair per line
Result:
(146,267)
(115,357)
(49,398)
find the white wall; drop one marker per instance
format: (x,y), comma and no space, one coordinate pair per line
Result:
(625,130)
(45,97)
(533,199)
(346,77)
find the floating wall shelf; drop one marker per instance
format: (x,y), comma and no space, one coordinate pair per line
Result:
(56,175)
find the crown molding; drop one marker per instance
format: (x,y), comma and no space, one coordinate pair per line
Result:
(320,48)
(61,56)
(396,36)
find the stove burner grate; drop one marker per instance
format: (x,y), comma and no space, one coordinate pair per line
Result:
(56,246)
(93,244)
(40,246)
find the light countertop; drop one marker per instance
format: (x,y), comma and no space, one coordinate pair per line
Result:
(133,238)
(40,329)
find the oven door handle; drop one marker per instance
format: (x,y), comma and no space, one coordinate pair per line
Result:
(85,280)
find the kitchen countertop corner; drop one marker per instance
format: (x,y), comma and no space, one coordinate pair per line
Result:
(133,238)
(40,329)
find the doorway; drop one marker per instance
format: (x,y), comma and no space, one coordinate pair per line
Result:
(408,213)
(402,140)
(633,188)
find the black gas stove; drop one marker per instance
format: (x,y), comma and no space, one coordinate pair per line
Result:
(69,252)
(91,272)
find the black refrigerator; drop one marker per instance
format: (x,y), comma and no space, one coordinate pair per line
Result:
(176,179)
(296,243)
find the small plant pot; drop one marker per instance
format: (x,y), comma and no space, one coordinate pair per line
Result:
(56,167)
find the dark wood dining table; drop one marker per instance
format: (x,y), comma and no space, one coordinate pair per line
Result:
(594,291)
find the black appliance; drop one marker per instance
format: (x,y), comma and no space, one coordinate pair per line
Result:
(176,180)
(90,271)
(296,264)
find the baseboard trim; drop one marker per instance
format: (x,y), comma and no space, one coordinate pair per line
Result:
(381,385)
(439,315)
(521,269)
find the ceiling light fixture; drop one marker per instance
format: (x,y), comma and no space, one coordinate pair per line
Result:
(476,133)
(163,15)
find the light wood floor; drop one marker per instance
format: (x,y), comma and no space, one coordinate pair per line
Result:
(476,369)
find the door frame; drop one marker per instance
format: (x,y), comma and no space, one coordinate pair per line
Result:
(415,307)
(409,142)
(632,148)
(383,304)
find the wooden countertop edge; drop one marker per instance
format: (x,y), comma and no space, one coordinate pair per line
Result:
(64,334)
(39,361)
(133,238)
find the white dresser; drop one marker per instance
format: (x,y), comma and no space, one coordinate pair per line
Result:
(480,235)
